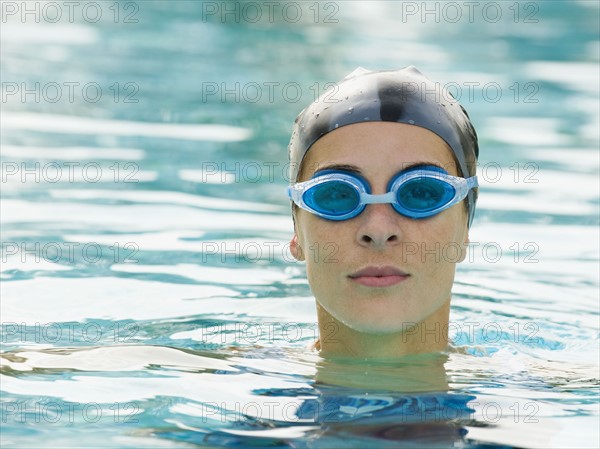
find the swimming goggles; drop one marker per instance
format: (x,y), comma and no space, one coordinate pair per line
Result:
(419,192)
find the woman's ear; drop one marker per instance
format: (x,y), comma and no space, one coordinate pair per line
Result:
(296,249)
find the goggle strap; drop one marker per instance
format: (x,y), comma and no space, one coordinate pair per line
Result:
(472,182)
(462,189)
(294,193)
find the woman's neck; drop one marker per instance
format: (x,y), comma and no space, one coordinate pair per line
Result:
(429,335)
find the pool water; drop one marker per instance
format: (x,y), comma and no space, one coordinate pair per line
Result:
(148,297)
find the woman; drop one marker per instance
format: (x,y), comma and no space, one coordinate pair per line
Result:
(379,167)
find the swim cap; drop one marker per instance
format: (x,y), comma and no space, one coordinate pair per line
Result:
(401,96)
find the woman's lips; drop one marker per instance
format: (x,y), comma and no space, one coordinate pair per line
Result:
(379,276)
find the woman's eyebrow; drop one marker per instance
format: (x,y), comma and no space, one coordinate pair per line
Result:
(342,167)
(422,164)
(354,169)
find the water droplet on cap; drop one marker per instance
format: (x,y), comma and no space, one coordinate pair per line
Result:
(412,122)
(350,110)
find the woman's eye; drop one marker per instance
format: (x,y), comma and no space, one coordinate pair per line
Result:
(424,194)
(332,197)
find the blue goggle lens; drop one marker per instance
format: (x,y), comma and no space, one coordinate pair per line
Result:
(332,198)
(424,194)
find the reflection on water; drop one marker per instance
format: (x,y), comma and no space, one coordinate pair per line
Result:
(148,293)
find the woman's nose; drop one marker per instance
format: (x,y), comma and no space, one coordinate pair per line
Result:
(379,227)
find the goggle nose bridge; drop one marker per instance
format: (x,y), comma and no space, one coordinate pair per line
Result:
(367,198)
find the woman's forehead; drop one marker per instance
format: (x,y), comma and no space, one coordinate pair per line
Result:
(375,148)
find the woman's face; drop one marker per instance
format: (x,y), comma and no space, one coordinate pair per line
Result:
(422,254)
